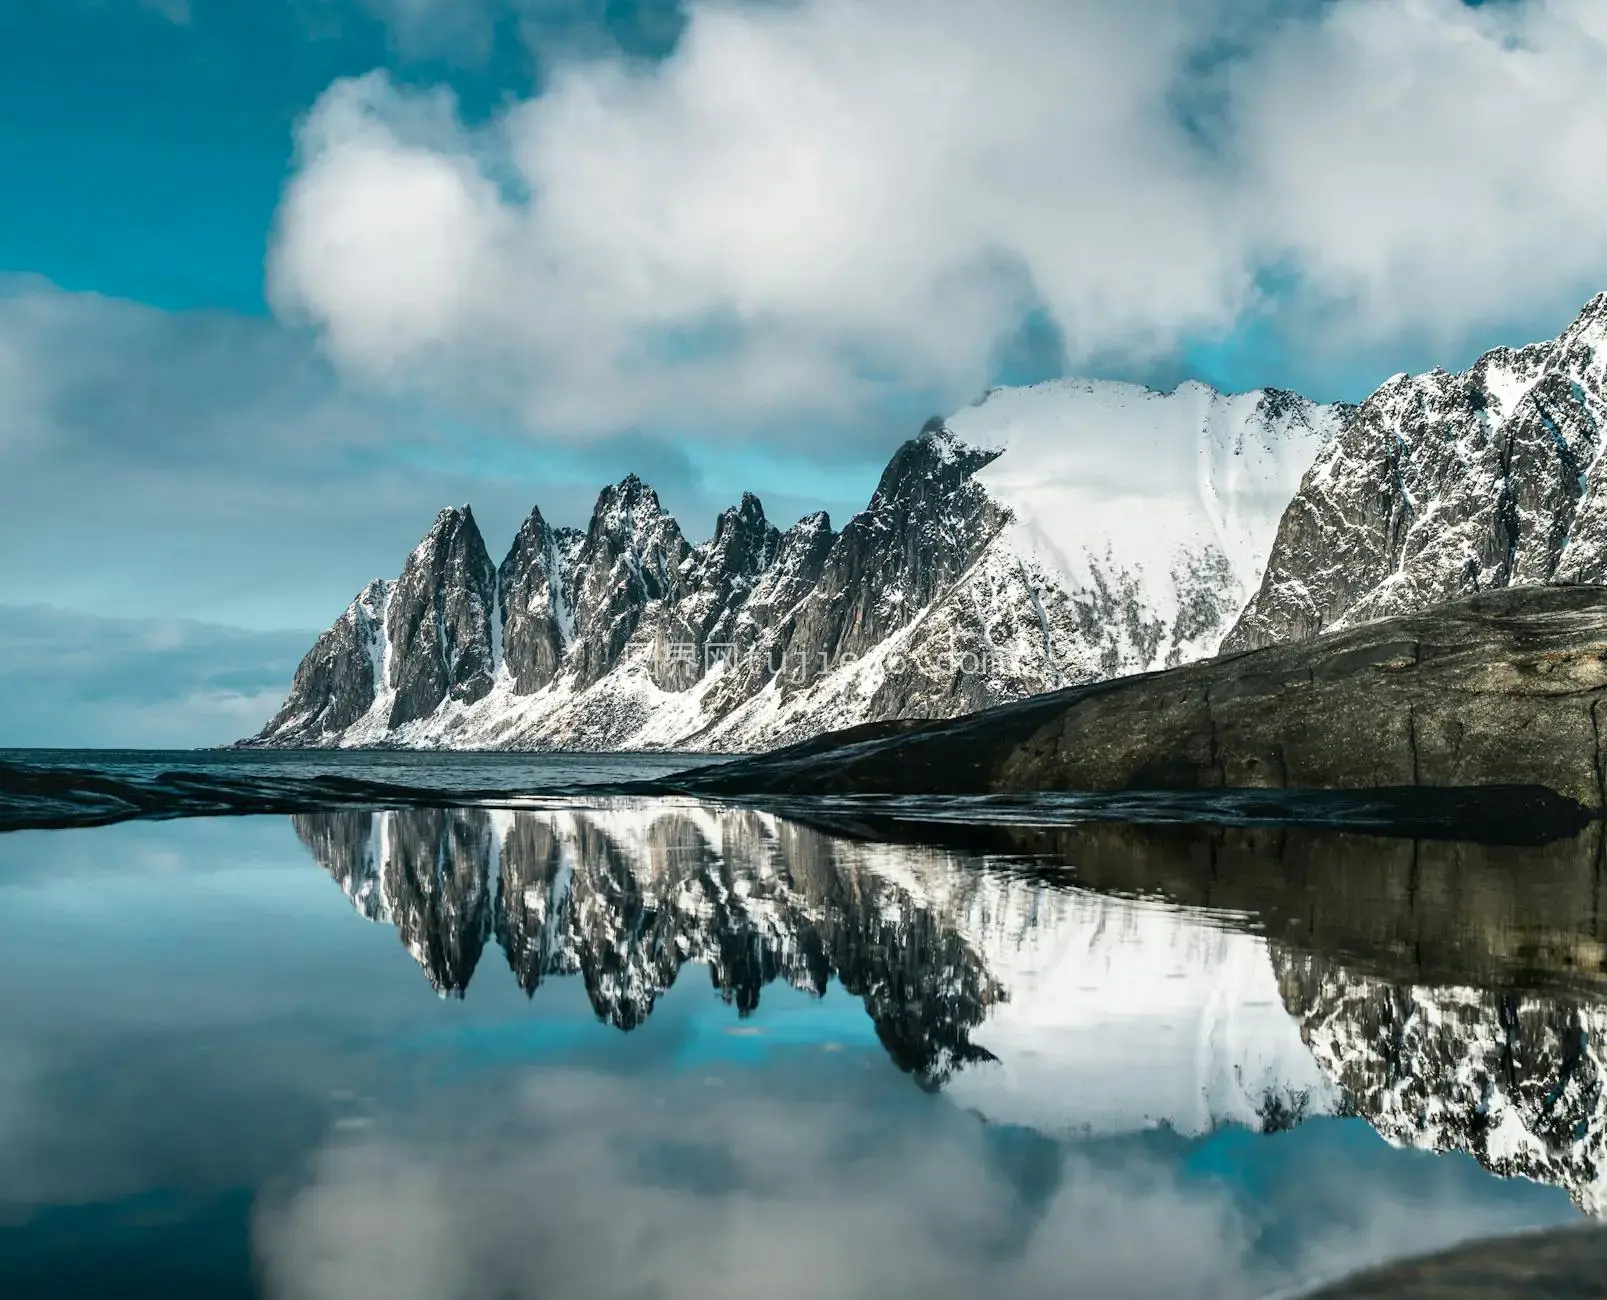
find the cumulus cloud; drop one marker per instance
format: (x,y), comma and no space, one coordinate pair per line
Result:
(1425,162)
(807,206)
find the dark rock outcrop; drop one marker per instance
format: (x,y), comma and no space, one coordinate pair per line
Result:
(1499,688)
(536,600)
(631,557)
(927,521)
(438,620)
(337,680)
(402,649)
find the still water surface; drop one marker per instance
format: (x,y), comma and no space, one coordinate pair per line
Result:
(663,1049)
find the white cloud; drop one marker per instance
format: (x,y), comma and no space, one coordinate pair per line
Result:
(208,466)
(400,236)
(810,204)
(815,193)
(1429,162)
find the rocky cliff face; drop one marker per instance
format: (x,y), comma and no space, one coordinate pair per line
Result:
(536,602)
(997,558)
(1443,485)
(337,681)
(438,622)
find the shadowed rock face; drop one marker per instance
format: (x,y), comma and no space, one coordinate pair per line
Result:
(927,520)
(439,620)
(536,599)
(1499,688)
(338,679)
(631,557)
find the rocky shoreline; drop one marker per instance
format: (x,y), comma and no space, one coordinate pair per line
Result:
(1500,688)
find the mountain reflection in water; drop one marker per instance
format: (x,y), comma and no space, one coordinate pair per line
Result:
(1453,995)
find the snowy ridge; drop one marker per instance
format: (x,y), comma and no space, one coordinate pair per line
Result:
(1006,551)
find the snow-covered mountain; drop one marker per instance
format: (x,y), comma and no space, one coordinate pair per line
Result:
(1443,485)
(1043,537)
(1060,1009)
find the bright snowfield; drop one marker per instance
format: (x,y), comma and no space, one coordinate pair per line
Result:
(1117,1014)
(1129,528)
(1164,517)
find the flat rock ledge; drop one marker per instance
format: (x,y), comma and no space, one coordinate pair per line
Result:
(1565,1264)
(1502,688)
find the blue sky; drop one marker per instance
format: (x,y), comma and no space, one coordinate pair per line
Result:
(279,280)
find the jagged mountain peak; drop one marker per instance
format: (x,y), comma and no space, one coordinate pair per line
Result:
(1278,402)
(337,681)
(744,542)
(438,621)
(936,461)
(1593,315)
(746,514)
(534,525)
(454,526)
(371,599)
(450,517)
(624,501)
(810,525)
